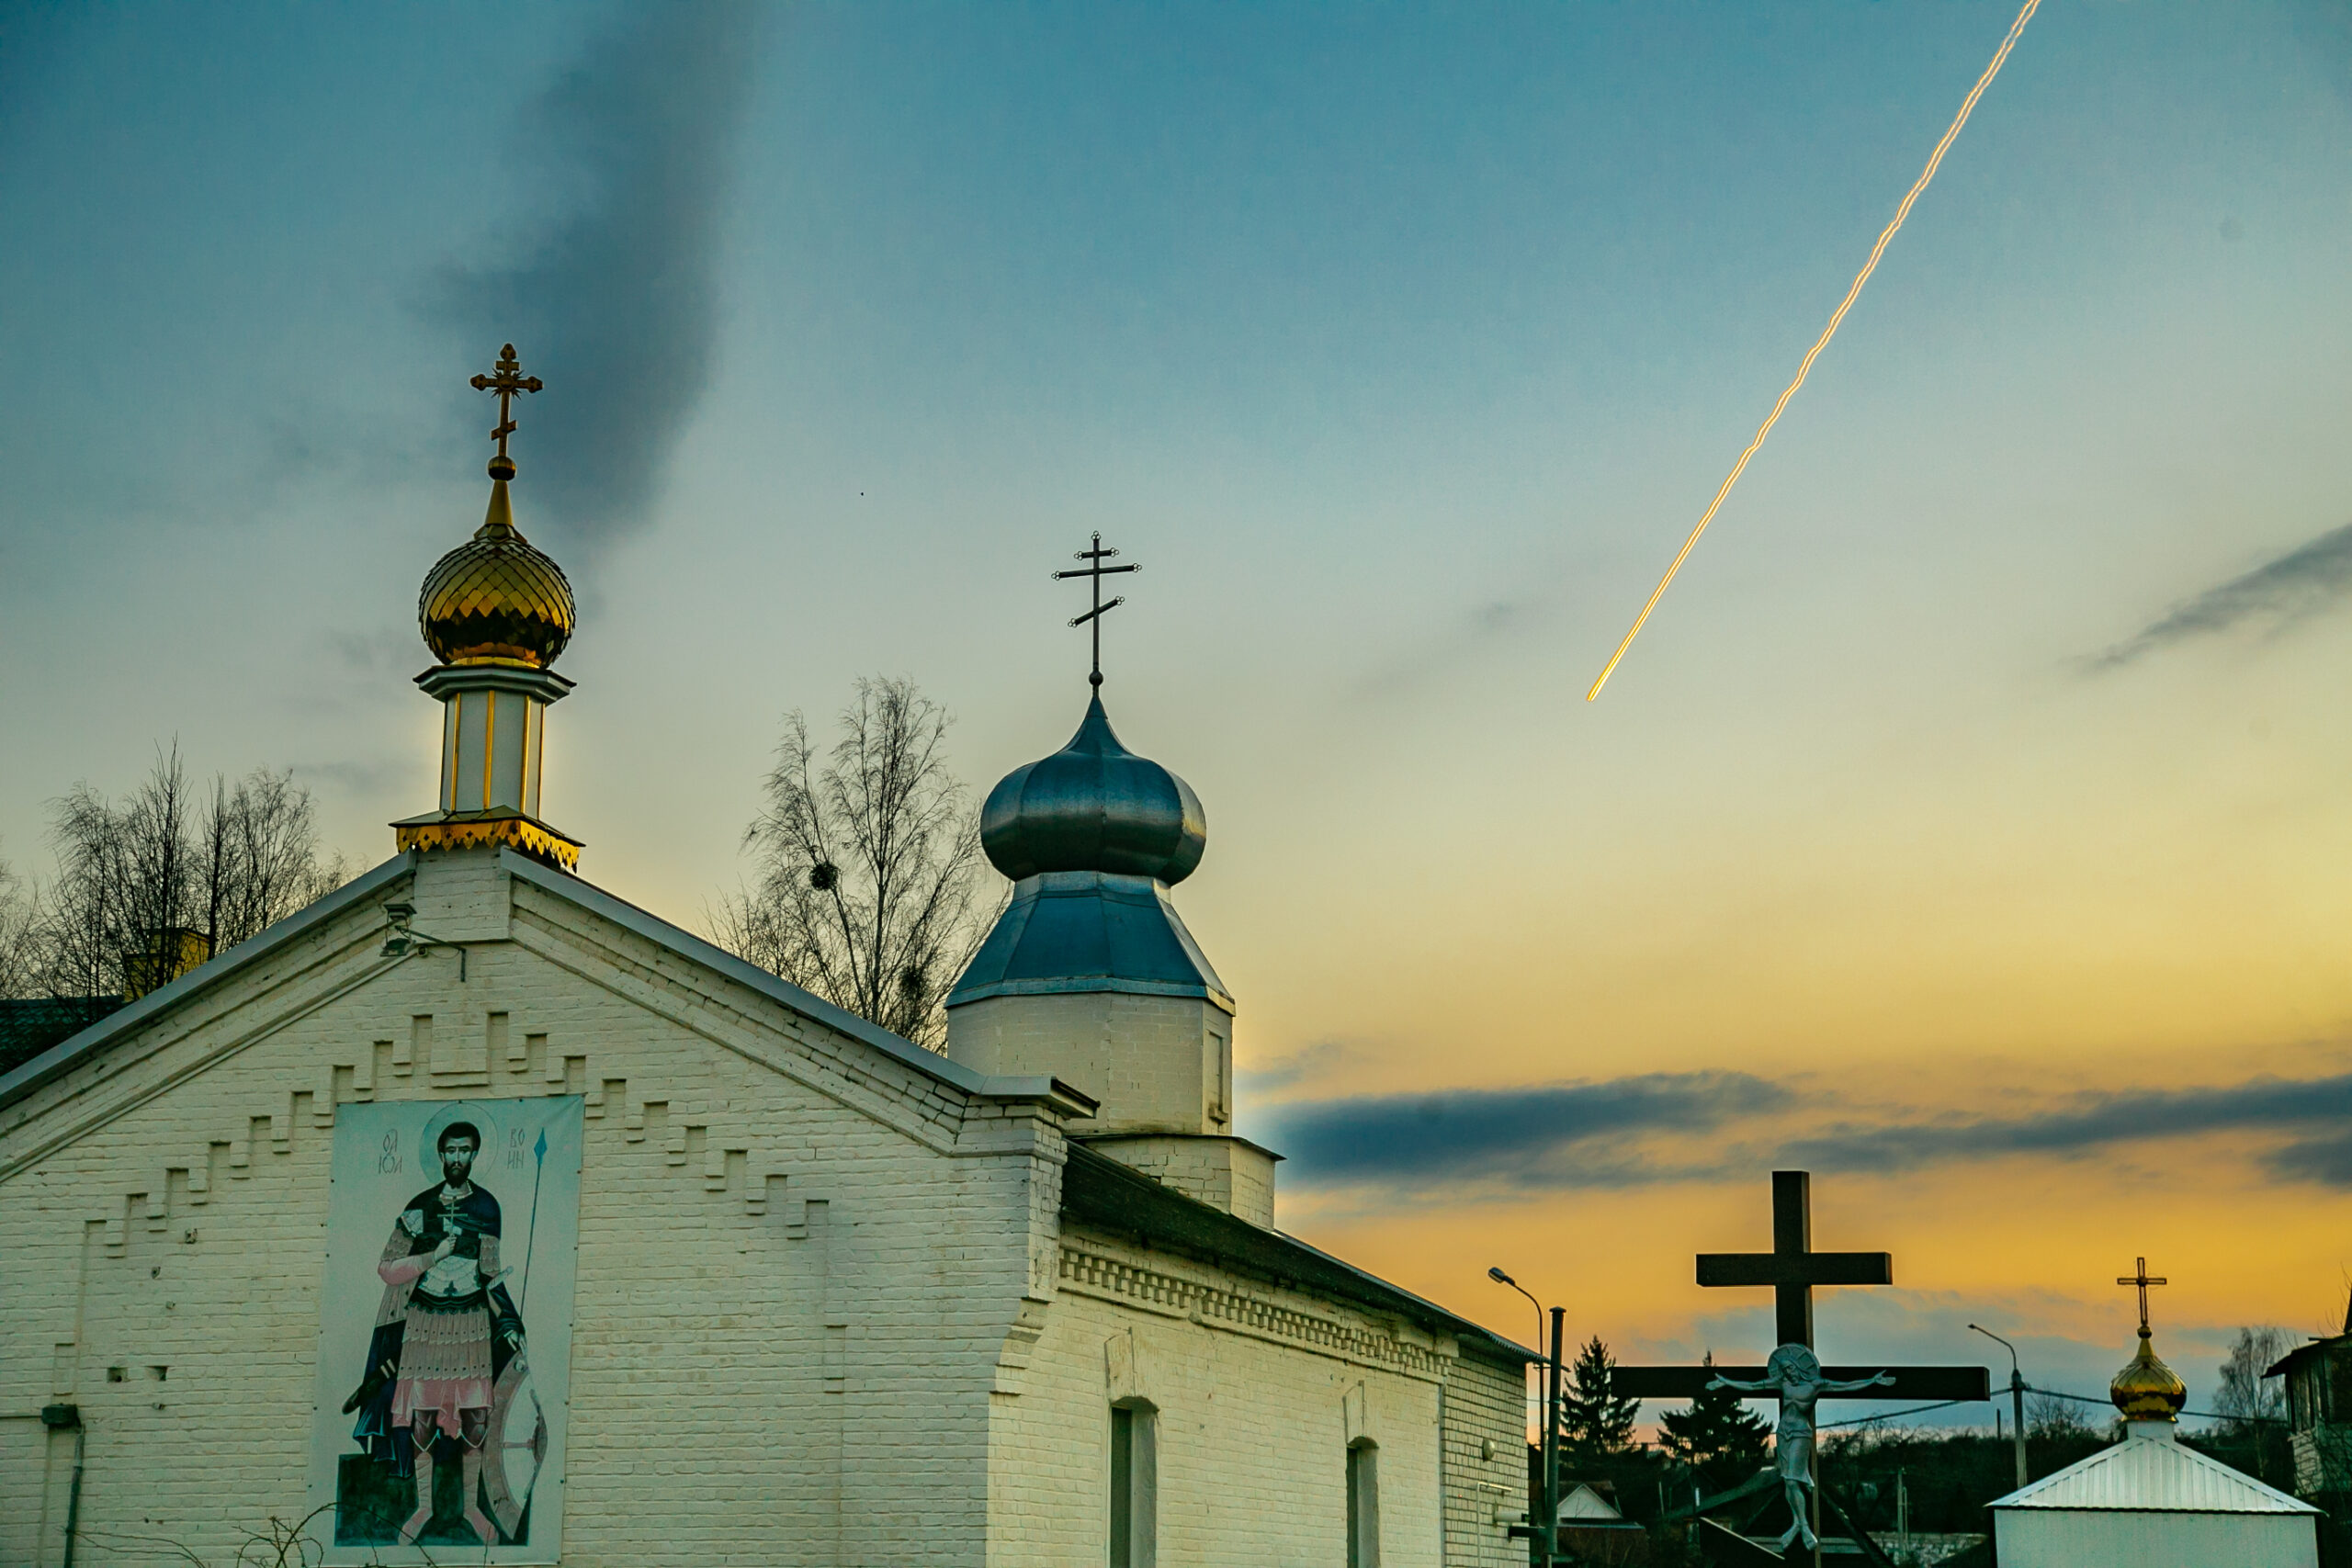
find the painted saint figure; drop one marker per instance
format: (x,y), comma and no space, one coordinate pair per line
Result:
(446,1353)
(1795,1374)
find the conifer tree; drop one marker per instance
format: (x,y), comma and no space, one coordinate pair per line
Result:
(1593,1423)
(1717,1436)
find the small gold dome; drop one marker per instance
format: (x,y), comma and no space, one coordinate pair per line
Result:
(2147,1390)
(494,598)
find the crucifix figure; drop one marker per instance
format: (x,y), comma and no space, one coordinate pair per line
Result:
(1794,1373)
(508,380)
(2143,1279)
(1096,572)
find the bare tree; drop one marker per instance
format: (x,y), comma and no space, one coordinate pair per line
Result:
(84,915)
(2244,1395)
(869,865)
(257,855)
(2050,1418)
(130,874)
(19,917)
(159,870)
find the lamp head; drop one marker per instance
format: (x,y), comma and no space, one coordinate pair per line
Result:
(1499,1278)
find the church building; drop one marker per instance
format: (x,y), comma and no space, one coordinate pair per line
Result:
(475,1215)
(2150,1501)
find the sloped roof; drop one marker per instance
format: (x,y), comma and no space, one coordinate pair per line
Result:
(1586,1506)
(30,1025)
(23,1078)
(2318,1347)
(1096,1190)
(2154,1475)
(1090,930)
(653,928)
(61,1058)
(1100,1192)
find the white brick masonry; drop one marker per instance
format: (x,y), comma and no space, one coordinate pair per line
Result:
(823,1314)
(1156,1063)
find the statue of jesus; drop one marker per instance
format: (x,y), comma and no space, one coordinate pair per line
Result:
(1795,1374)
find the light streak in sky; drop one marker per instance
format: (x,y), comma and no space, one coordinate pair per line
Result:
(2000,56)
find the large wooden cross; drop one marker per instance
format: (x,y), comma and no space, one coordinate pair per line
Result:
(1792,1269)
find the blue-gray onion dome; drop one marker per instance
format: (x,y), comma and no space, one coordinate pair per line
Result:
(1094,806)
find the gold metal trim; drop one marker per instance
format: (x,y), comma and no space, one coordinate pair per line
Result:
(488,745)
(527,797)
(518,833)
(457,744)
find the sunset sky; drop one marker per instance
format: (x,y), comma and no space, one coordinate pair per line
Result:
(1972,826)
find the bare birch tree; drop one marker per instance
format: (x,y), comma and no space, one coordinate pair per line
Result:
(869,865)
(163,861)
(2244,1394)
(258,857)
(85,909)
(19,959)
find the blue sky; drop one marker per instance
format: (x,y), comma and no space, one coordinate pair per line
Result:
(1401,344)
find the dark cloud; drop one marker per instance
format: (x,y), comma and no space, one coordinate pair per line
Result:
(2092,1121)
(2304,581)
(1469,634)
(1557,1135)
(614,300)
(1601,1135)
(2326,1160)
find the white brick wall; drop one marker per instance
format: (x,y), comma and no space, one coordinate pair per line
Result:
(1486,1411)
(1156,1064)
(818,1319)
(1259,1390)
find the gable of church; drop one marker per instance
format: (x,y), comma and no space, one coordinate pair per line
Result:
(750,1186)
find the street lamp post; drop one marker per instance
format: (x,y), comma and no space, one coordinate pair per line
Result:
(2016,1397)
(1546,1528)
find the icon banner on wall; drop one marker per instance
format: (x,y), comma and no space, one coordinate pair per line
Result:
(445,1331)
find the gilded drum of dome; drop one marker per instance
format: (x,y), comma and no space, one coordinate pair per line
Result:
(496,597)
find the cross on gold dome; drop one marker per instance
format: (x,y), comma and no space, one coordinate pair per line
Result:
(508,380)
(2143,1279)
(1097,571)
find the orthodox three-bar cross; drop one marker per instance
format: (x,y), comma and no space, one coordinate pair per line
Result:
(1095,570)
(508,380)
(1792,1269)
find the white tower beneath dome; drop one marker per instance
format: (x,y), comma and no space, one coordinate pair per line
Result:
(1090,975)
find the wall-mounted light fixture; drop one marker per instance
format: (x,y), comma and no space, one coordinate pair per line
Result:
(402,940)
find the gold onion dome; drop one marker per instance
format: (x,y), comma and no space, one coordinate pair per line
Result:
(2147,1390)
(495,598)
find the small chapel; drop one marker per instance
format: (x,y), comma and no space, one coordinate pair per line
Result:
(475,1215)
(2150,1501)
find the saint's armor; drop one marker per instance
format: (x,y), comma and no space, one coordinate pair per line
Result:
(445,1357)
